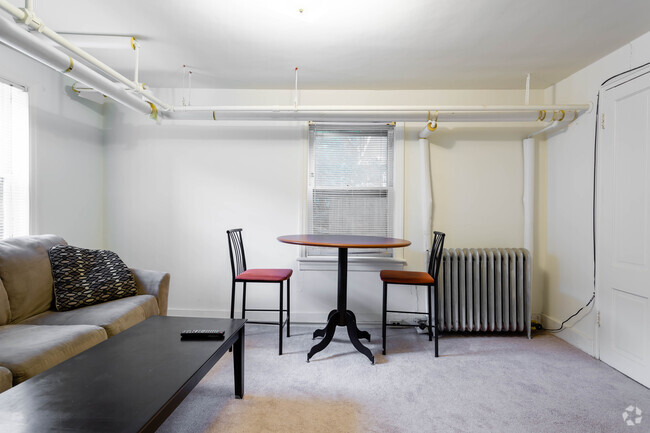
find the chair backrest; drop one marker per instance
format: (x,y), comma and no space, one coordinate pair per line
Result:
(236,247)
(436,254)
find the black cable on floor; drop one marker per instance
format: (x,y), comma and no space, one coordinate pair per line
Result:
(593,296)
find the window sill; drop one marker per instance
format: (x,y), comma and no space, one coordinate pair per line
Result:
(359,264)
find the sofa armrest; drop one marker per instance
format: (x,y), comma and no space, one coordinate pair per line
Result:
(6,379)
(153,283)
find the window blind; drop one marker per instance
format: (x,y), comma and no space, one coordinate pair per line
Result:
(351,184)
(14,161)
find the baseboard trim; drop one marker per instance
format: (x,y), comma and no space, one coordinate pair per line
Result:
(571,335)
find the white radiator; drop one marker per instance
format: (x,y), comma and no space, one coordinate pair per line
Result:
(485,289)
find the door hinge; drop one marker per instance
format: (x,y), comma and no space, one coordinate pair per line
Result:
(598,318)
(602,121)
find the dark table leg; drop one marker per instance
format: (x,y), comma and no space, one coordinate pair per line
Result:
(322,332)
(353,333)
(342,316)
(238,361)
(359,333)
(330,329)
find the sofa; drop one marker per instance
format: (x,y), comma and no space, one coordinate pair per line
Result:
(33,335)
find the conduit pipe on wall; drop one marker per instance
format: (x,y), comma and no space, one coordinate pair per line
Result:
(30,45)
(443,110)
(27,17)
(376,114)
(549,128)
(529,192)
(426,195)
(37,49)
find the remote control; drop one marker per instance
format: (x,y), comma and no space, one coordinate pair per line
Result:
(202,334)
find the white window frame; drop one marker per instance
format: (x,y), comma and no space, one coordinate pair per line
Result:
(19,227)
(361,263)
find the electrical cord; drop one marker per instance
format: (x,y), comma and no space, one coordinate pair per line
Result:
(593,296)
(593,200)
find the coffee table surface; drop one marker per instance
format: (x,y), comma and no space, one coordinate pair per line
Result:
(121,384)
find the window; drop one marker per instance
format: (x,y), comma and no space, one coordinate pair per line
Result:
(14,161)
(352,180)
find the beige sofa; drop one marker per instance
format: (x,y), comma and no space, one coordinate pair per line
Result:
(35,337)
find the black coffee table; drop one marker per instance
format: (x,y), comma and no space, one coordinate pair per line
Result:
(130,383)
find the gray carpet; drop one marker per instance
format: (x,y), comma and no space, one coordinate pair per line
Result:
(478,384)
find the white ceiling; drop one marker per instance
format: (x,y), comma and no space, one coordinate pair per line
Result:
(354,44)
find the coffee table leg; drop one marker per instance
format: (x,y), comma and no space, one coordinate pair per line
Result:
(238,361)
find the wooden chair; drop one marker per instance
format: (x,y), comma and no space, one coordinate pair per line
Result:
(410,278)
(241,274)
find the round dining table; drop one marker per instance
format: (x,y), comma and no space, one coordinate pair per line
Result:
(341,316)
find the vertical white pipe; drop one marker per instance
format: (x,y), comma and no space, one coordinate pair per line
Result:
(295,97)
(189,93)
(529,192)
(137,60)
(426,199)
(527,99)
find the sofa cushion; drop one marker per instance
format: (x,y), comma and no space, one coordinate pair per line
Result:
(114,316)
(84,277)
(5,310)
(6,379)
(26,274)
(27,350)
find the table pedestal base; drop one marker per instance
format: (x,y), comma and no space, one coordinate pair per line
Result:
(349,320)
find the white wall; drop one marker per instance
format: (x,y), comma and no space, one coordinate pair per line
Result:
(568,262)
(173,190)
(66,153)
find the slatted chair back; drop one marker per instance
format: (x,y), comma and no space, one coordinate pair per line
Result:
(237,255)
(436,254)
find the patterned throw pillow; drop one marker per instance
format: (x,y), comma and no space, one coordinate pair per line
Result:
(86,277)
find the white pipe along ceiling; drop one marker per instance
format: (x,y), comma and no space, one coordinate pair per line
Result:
(132,94)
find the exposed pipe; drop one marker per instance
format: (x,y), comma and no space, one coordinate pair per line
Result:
(35,48)
(528,146)
(27,17)
(189,88)
(136,47)
(426,195)
(333,114)
(30,45)
(295,96)
(550,128)
(443,110)
(428,129)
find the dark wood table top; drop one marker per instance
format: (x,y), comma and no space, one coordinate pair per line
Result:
(344,241)
(119,385)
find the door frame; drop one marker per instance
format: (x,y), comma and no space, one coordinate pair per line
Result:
(608,85)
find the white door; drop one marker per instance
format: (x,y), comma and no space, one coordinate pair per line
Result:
(623,236)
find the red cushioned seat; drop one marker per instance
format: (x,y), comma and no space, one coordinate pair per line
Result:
(405,277)
(265,275)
